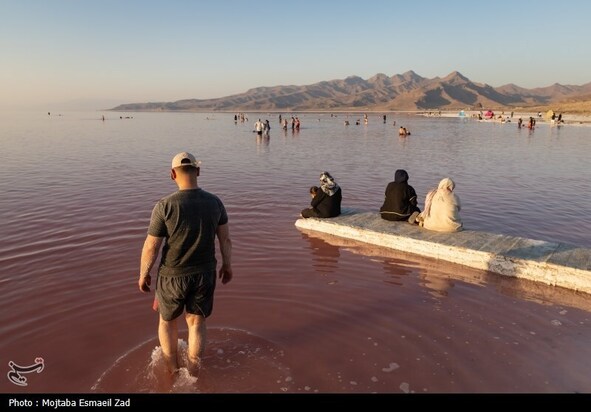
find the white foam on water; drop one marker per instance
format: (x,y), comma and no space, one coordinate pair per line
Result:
(184,382)
(157,369)
(392,367)
(116,363)
(234,361)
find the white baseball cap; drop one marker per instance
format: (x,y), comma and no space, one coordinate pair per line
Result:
(185,159)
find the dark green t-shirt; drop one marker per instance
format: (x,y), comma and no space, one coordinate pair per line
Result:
(188,220)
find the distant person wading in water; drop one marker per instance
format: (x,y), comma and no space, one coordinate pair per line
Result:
(186,222)
(259,126)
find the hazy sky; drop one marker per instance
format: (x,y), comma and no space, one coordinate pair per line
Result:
(136,51)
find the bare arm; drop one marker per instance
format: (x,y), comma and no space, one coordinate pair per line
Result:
(149,255)
(223,233)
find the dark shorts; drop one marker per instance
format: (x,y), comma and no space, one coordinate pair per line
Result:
(192,293)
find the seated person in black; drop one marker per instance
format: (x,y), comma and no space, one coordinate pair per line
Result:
(326,200)
(401,199)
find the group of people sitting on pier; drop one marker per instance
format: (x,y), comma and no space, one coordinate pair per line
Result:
(442,205)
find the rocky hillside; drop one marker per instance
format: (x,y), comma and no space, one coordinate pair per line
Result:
(407,91)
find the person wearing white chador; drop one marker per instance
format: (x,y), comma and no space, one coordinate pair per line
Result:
(442,207)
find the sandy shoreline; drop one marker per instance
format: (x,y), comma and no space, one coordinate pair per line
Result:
(569,119)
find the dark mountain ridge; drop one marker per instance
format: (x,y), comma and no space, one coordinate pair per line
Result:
(406,91)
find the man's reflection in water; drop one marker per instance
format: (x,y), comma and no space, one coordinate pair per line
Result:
(263,143)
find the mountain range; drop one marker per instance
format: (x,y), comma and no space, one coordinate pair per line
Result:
(407,91)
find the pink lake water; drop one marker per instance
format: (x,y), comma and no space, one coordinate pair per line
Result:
(305,312)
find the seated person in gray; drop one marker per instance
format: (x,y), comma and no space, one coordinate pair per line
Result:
(400,201)
(326,200)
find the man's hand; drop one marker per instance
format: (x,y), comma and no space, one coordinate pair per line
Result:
(149,254)
(225,274)
(144,283)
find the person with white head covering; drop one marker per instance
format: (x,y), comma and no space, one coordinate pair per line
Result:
(442,207)
(326,201)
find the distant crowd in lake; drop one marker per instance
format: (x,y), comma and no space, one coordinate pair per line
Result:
(261,127)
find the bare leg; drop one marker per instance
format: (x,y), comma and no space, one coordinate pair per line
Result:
(197,335)
(168,335)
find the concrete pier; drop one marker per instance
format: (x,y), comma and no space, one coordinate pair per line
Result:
(551,263)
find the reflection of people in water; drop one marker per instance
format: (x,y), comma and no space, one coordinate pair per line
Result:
(263,140)
(325,256)
(396,269)
(438,285)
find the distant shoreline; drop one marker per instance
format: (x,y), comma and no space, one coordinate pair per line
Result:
(574,118)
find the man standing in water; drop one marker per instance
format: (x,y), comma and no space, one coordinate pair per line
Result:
(187,222)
